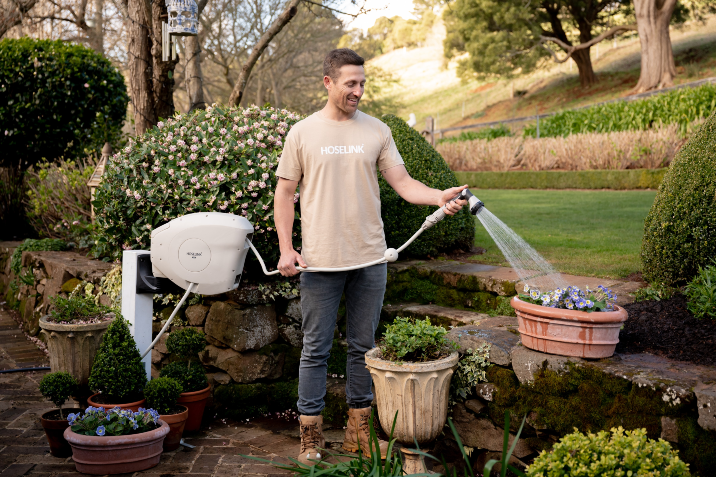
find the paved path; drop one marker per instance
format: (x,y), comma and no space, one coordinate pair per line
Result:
(219,447)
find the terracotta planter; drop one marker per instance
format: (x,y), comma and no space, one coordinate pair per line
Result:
(176,424)
(54,430)
(101,455)
(132,406)
(417,391)
(73,347)
(569,332)
(196,402)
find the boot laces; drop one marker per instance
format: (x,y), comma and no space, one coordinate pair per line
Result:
(309,436)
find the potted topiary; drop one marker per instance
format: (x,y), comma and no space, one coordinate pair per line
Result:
(411,371)
(73,332)
(161,395)
(570,321)
(115,441)
(57,387)
(118,377)
(185,345)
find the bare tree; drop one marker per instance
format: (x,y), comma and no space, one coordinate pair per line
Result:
(12,12)
(657,57)
(194,79)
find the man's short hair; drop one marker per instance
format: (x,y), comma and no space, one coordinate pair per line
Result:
(337,58)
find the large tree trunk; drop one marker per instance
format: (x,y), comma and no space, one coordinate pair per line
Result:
(152,89)
(95,33)
(140,67)
(194,76)
(657,58)
(276,91)
(584,65)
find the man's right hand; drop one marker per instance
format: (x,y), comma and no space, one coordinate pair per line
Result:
(287,263)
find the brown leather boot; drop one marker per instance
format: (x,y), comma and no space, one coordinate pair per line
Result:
(358,431)
(312,441)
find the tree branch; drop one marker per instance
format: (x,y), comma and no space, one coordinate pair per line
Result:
(15,16)
(570,49)
(240,87)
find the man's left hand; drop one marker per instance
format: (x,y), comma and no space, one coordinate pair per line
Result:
(452,207)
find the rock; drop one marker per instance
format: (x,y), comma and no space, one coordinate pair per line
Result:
(218,378)
(70,285)
(244,329)
(40,289)
(292,335)
(246,296)
(475,405)
(154,372)
(161,346)
(501,342)
(706,404)
(526,362)
(104,300)
(440,313)
(293,310)
(244,367)
(485,390)
(481,433)
(669,429)
(156,357)
(196,314)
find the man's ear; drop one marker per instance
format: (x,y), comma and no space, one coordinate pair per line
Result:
(327,82)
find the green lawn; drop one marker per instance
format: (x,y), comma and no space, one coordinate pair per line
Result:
(590,233)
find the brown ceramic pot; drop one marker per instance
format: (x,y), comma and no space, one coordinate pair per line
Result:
(132,406)
(196,402)
(54,430)
(176,428)
(102,455)
(569,332)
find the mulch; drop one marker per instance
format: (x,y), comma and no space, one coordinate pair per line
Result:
(668,329)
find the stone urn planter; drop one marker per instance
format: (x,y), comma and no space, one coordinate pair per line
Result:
(102,455)
(196,402)
(132,406)
(569,332)
(176,423)
(418,392)
(54,427)
(73,347)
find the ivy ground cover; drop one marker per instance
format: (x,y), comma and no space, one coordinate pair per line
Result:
(588,233)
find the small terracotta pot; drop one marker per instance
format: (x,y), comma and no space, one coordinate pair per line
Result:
(101,455)
(569,332)
(132,406)
(176,428)
(54,430)
(196,402)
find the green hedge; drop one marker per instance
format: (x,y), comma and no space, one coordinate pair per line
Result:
(401,219)
(622,179)
(681,106)
(680,230)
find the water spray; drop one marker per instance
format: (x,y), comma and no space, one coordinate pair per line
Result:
(205,253)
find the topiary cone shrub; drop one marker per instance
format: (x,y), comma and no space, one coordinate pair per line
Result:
(213,160)
(680,230)
(402,219)
(118,371)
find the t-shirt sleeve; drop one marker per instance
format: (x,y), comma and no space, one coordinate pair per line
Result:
(389,155)
(289,164)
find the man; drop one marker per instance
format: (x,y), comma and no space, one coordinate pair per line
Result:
(334,155)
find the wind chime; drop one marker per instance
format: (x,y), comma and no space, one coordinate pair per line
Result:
(183,21)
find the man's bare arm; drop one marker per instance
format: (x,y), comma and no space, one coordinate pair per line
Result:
(283,213)
(418,193)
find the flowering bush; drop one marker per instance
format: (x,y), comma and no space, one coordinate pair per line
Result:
(218,159)
(115,422)
(571,298)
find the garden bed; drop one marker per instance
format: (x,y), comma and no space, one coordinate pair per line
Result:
(668,329)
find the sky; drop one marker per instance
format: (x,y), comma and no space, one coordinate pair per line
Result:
(379,8)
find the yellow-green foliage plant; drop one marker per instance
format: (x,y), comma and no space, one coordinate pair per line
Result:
(680,230)
(619,453)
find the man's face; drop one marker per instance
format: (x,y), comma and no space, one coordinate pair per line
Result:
(345,92)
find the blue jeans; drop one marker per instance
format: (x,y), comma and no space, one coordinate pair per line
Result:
(320,297)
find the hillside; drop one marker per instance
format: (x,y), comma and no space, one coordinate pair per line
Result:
(428,87)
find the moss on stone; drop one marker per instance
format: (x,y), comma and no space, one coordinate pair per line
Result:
(241,401)
(70,285)
(697,447)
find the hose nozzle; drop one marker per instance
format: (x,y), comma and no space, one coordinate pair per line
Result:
(475,204)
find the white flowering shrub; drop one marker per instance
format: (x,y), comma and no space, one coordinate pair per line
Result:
(218,159)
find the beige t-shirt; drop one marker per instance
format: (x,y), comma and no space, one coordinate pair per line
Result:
(336,164)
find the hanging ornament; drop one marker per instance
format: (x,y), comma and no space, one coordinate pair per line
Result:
(183,17)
